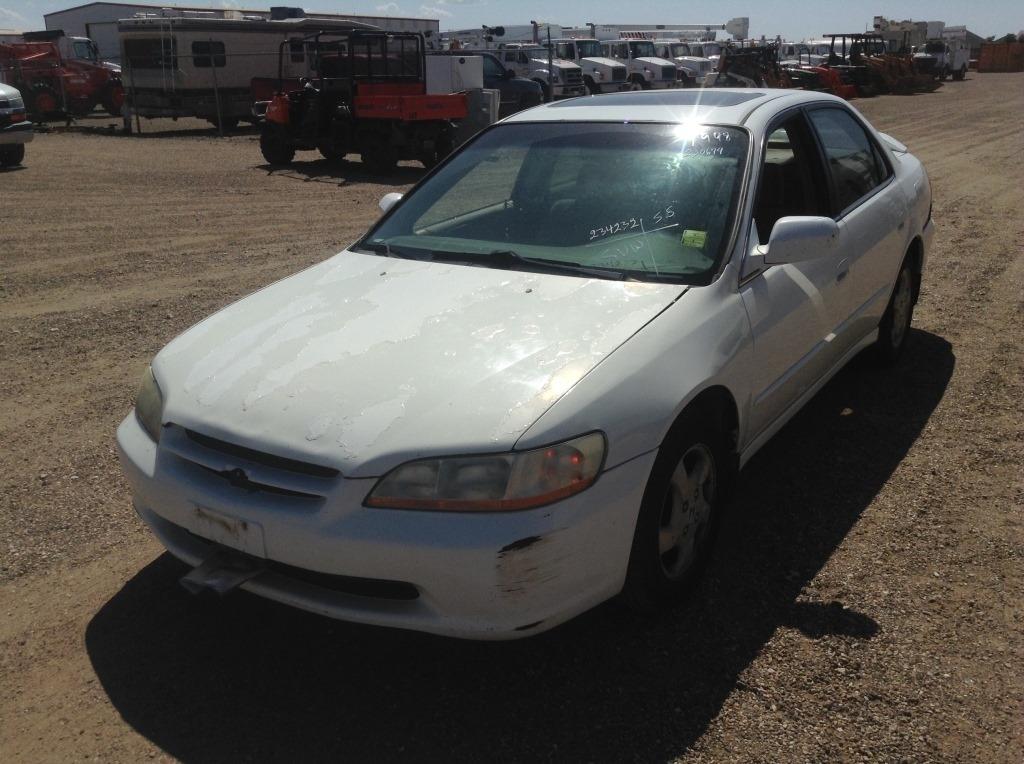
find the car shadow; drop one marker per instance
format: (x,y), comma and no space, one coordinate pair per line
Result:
(345,173)
(210,679)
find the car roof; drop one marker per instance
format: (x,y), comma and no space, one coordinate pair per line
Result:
(724,106)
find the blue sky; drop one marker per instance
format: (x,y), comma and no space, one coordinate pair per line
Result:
(789,18)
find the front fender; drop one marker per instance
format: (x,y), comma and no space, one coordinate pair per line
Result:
(636,393)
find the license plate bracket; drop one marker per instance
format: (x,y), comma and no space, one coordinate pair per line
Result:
(243,535)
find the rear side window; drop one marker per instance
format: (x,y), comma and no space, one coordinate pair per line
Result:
(208,53)
(856,165)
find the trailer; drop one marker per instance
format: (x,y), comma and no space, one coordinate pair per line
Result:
(187,66)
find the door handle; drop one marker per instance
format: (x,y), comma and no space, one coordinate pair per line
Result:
(842,269)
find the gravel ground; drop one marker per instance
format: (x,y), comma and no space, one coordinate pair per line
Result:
(865,605)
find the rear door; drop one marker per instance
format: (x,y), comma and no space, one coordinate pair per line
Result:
(871,212)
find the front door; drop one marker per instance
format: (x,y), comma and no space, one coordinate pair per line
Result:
(793,309)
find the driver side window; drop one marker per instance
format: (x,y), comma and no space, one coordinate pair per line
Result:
(791,182)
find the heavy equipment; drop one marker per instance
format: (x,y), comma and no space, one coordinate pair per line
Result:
(863,60)
(368,96)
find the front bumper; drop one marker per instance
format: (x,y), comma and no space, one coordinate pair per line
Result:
(568,91)
(481,576)
(20,132)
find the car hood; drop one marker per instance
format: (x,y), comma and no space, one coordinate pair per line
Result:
(654,61)
(611,63)
(363,362)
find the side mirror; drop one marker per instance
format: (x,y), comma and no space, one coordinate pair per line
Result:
(389,200)
(799,238)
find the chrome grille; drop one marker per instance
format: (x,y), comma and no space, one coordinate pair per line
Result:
(278,478)
(619,74)
(668,72)
(574,77)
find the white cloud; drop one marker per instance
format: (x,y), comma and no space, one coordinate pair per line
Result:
(430,10)
(389,9)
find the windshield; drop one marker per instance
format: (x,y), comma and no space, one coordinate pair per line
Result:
(589,48)
(640,48)
(651,202)
(679,49)
(712,49)
(935,47)
(85,50)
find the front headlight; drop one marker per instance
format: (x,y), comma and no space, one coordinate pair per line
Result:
(149,405)
(554,76)
(598,74)
(493,482)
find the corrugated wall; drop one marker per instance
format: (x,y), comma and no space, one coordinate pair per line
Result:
(1002,57)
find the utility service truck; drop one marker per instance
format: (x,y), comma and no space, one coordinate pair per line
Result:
(943,58)
(646,69)
(600,74)
(693,69)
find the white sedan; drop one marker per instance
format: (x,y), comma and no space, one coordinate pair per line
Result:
(531,385)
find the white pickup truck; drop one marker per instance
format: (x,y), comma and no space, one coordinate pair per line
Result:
(646,69)
(531,61)
(600,74)
(693,69)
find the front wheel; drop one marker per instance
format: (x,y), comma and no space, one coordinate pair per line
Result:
(12,155)
(960,74)
(637,83)
(275,147)
(895,324)
(679,514)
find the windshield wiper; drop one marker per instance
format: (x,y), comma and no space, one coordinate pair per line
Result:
(510,259)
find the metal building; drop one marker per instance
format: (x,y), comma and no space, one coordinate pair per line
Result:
(99,21)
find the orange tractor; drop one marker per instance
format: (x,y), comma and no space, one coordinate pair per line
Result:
(60,76)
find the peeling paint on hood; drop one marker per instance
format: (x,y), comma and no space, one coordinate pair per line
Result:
(363,362)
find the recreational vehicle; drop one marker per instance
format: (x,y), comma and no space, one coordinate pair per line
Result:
(204,67)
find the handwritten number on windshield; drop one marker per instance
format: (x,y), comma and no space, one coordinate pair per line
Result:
(666,213)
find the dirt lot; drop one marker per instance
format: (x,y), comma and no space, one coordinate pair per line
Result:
(866,603)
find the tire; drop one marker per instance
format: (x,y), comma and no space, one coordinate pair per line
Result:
(680,512)
(960,74)
(592,89)
(275,147)
(636,84)
(12,155)
(545,90)
(43,100)
(894,327)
